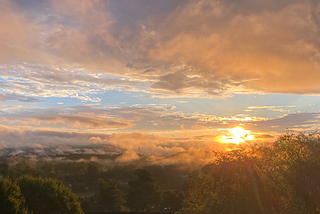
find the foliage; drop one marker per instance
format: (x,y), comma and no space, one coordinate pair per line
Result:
(110,196)
(77,173)
(48,196)
(168,176)
(4,169)
(142,191)
(172,201)
(300,154)
(11,199)
(281,178)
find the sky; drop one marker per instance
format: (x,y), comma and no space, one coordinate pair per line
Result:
(156,77)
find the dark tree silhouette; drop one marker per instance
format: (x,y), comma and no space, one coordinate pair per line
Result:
(48,196)
(110,196)
(172,201)
(142,191)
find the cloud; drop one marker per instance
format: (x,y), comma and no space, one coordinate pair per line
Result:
(127,147)
(26,136)
(197,127)
(128,156)
(162,120)
(197,48)
(179,82)
(151,118)
(193,145)
(86,122)
(76,118)
(263,136)
(271,108)
(20,98)
(254,48)
(147,144)
(166,49)
(17,34)
(52,81)
(299,122)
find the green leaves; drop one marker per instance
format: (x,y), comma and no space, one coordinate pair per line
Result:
(48,196)
(110,196)
(11,199)
(142,191)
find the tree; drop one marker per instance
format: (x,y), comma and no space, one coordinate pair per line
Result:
(237,182)
(280,178)
(11,199)
(48,196)
(201,196)
(157,173)
(142,191)
(4,169)
(110,196)
(172,200)
(299,156)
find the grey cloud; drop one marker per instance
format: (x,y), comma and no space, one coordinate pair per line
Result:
(20,98)
(52,81)
(179,81)
(151,118)
(78,121)
(90,117)
(62,150)
(297,122)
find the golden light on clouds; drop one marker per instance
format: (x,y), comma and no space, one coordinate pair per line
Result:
(236,135)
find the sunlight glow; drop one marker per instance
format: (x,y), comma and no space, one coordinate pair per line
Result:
(236,135)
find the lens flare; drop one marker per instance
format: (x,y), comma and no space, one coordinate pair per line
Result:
(237,135)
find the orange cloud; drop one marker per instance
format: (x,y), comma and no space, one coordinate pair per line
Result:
(128,156)
(82,43)
(26,141)
(17,35)
(198,127)
(195,49)
(255,51)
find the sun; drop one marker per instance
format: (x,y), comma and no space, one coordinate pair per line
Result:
(237,135)
(238,132)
